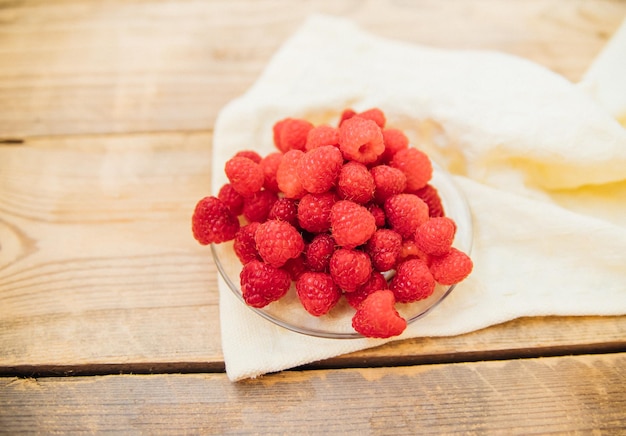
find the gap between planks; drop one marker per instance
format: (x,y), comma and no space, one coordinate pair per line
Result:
(341,362)
(13,141)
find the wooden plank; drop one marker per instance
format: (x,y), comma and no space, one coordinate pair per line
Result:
(78,67)
(582,394)
(97,260)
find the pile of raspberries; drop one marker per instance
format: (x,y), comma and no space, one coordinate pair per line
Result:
(333,209)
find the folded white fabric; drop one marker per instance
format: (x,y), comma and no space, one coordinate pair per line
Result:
(542,165)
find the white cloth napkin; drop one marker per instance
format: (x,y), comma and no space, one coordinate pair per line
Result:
(542,164)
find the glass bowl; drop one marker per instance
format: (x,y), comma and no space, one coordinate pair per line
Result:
(337,324)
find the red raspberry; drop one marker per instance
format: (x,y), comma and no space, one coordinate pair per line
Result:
(346,115)
(262,283)
(355,183)
(276,129)
(376,282)
(379,214)
(360,140)
(314,212)
(415,165)
(431,197)
(287,175)
(375,115)
(350,268)
(351,224)
(388,181)
(278,241)
(258,206)
(250,154)
(291,133)
(318,168)
(395,140)
(285,209)
(319,251)
(405,213)
(213,222)
(435,236)
(231,198)
(412,282)
(245,175)
(322,135)
(452,267)
(377,316)
(269,164)
(295,267)
(384,248)
(317,292)
(244,245)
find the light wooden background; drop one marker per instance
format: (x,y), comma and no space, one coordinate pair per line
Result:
(106,115)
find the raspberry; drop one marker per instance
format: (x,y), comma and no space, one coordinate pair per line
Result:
(405,213)
(388,181)
(375,115)
(351,224)
(269,164)
(245,175)
(213,222)
(452,267)
(319,251)
(317,292)
(412,282)
(350,268)
(291,134)
(376,282)
(278,241)
(276,129)
(318,168)
(314,212)
(379,214)
(415,165)
(377,316)
(435,236)
(431,197)
(395,140)
(346,115)
(360,140)
(384,248)
(262,283)
(287,175)
(244,245)
(355,183)
(231,198)
(258,206)
(322,135)
(250,154)
(285,209)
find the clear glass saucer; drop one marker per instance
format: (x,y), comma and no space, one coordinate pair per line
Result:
(337,324)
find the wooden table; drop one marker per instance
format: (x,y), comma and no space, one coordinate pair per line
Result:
(109,309)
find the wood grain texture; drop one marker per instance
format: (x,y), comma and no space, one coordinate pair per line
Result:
(563,395)
(79,67)
(97,258)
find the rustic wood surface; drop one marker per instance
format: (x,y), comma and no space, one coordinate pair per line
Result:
(557,395)
(106,115)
